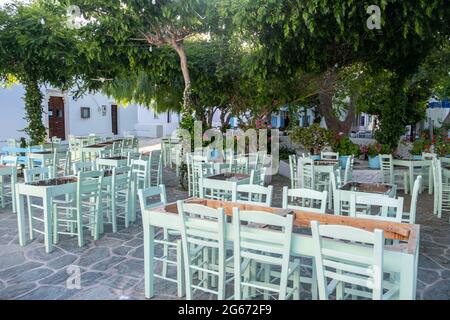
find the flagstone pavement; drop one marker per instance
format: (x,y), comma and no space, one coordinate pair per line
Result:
(112,267)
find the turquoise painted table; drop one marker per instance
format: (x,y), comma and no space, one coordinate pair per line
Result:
(47,193)
(401,259)
(411,165)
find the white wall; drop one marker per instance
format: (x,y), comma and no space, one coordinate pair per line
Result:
(12,113)
(128,117)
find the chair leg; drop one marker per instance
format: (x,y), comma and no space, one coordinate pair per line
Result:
(55,225)
(80,229)
(165,253)
(30,217)
(314,291)
(296,284)
(114,211)
(180,270)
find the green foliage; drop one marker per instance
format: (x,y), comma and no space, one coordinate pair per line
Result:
(313,138)
(345,147)
(376,148)
(285,152)
(36,48)
(33,113)
(420,145)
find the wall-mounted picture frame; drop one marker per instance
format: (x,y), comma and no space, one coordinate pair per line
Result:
(85,113)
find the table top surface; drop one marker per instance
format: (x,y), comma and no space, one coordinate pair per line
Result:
(367,187)
(230,176)
(326,162)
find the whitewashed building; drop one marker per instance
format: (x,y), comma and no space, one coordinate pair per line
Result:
(92,113)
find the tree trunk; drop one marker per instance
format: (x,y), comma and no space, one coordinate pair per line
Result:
(325,106)
(33,112)
(178,46)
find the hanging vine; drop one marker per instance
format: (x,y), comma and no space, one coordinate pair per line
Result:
(33,113)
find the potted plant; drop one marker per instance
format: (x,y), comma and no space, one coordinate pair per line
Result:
(420,146)
(346,148)
(313,139)
(373,151)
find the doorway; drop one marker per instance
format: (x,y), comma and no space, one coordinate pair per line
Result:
(56,122)
(114,119)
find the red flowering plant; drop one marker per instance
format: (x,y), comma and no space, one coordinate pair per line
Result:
(374,149)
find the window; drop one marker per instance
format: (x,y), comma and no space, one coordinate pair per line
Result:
(362,121)
(85,113)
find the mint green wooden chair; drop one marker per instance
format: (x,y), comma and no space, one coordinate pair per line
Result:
(410,217)
(117,197)
(171,242)
(155,168)
(216,189)
(392,176)
(305,200)
(203,232)
(268,247)
(377,207)
(258,176)
(83,167)
(306,173)
(441,189)
(349,271)
(253,194)
(141,172)
(348,173)
(6,195)
(32,175)
(83,211)
(295,180)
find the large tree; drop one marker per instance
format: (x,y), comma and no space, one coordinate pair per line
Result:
(321,37)
(36,49)
(153,23)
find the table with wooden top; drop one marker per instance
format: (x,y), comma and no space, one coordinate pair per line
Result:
(48,190)
(401,259)
(94,149)
(411,164)
(344,193)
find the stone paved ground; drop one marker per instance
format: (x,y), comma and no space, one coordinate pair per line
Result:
(112,267)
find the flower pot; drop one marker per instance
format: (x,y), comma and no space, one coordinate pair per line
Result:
(374,162)
(315,157)
(343,161)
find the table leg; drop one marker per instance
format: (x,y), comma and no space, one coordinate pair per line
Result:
(430,180)
(408,278)
(411,179)
(149,237)
(13,189)
(48,228)
(21,219)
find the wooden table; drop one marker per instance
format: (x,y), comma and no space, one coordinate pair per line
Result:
(360,189)
(111,162)
(411,164)
(94,148)
(401,259)
(45,158)
(10,171)
(48,193)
